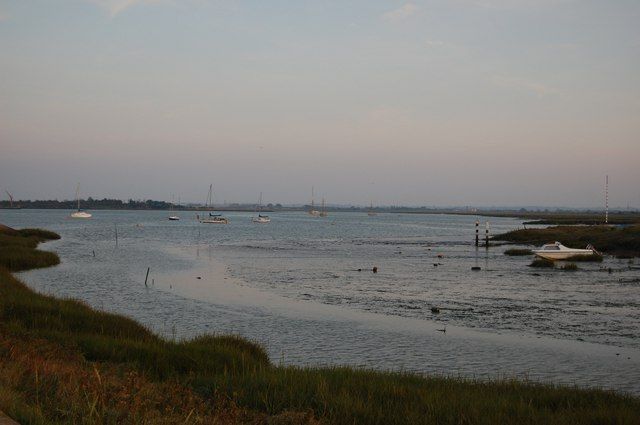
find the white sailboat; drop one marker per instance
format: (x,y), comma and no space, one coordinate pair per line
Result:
(313,211)
(212,218)
(262,219)
(173,217)
(79,213)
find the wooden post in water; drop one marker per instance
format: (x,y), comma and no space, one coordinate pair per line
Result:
(116,227)
(146,277)
(486,236)
(477,236)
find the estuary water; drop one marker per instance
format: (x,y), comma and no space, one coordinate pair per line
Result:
(304,288)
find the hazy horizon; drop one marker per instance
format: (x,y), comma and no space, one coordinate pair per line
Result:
(437,103)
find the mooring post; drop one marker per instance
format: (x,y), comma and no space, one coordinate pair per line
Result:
(146,277)
(486,236)
(477,235)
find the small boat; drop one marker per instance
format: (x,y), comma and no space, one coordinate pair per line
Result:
(173,217)
(371,212)
(557,251)
(262,219)
(213,218)
(323,211)
(313,211)
(79,213)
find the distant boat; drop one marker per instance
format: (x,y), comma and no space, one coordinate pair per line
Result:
(79,213)
(323,211)
(557,251)
(173,217)
(371,212)
(262,219)
(213,218)
(313,211)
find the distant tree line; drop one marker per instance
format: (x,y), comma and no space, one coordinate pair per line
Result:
(90,204)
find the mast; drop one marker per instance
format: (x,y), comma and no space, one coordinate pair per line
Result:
(312,198)
(606,200)
(210,196)
(10,198)
(78,195)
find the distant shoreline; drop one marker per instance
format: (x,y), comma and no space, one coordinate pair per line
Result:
(559,216)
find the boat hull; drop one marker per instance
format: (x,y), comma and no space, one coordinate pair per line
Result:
(562,255)
(80,214)
(217,221)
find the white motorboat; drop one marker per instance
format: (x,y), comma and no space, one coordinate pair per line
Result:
(174,218)
(557,251)
(79,213)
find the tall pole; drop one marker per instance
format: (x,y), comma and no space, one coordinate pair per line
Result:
(477,236)
(606,200)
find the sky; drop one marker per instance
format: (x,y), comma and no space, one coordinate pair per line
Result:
(437,103)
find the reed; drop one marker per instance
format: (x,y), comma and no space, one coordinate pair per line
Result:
(64,362)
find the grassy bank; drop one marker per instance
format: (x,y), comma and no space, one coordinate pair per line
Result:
(620,241)
(64,362)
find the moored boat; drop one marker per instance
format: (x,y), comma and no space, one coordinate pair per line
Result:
(557,251)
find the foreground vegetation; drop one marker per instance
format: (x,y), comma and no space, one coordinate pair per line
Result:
(619,241)
(64,362)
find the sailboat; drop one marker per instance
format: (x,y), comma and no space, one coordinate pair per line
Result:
(260,218)
(173,217)
(79,213)
(313,212)
(212,218)
(371,212)
(323,211)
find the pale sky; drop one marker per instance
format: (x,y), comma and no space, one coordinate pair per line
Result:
(441,102)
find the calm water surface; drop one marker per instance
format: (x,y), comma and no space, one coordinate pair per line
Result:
(294,285)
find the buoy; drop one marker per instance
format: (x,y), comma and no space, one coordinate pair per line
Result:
(435,310)
(440,256)
(435,264)
(375,269)
(475,268)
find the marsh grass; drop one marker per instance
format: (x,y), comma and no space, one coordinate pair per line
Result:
(518,252)
(64,362)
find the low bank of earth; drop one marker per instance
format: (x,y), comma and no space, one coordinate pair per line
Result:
(64,362)
(621,241)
